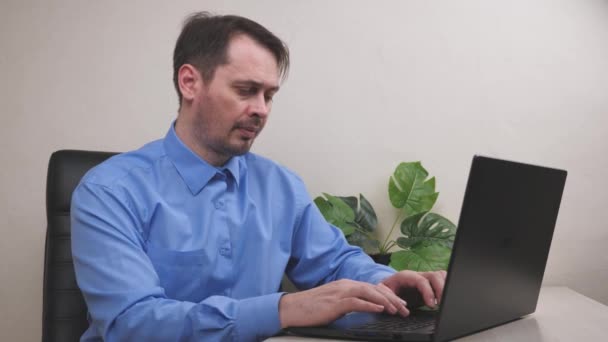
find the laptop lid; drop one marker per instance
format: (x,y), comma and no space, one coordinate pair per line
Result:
(500,251)
(498,260)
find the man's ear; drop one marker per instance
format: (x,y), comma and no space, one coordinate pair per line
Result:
(189,81)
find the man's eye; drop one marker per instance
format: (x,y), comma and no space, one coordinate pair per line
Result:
(268,98)
(248,91)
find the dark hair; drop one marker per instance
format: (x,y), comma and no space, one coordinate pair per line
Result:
(204,40)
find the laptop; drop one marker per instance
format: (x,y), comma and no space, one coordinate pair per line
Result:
(498,259)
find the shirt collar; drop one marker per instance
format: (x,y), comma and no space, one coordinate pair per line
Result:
(194,170)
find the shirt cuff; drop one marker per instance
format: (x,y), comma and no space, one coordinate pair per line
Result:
(258,317)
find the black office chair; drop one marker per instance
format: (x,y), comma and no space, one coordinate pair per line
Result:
(64,312)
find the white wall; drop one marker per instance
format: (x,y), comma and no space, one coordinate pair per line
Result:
(372,83)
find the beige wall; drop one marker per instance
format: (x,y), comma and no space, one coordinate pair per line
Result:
(373,83)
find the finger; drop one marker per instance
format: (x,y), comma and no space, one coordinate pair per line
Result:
(351,304)
(401,279)
(369,293)
(437,282)
(391,294)
(426,290)
(394,299)
(411,279)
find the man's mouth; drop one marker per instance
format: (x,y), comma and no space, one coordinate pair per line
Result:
(249,132)
(249,129)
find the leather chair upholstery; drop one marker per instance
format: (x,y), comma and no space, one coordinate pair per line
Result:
(64,312)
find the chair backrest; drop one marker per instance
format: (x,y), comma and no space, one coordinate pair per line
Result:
(64,313)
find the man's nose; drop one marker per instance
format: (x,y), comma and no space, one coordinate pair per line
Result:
(260,106)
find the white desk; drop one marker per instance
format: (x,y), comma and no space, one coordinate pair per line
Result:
(561,315)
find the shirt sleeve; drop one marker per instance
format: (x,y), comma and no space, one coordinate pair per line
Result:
(122,289)
(320,253)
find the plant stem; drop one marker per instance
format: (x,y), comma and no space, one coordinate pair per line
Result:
(391,244)
(383,248)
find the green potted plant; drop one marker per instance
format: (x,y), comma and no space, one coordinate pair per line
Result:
(426,238)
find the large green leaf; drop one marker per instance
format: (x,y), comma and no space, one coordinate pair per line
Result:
(355,217)
(351,201)
(365,215)
(337,212)
(422,258)
(358,238)
(426,229)
(410,190)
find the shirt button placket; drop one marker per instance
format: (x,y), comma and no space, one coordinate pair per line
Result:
(225,261)
(225,249)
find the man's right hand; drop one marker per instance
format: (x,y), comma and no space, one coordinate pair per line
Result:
(331,301)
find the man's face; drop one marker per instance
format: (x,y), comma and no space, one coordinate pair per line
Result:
(231,109)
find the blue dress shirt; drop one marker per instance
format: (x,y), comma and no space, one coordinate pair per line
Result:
(167,247)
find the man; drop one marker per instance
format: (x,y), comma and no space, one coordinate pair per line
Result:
(187,238)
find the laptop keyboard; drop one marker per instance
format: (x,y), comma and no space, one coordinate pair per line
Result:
(396,323)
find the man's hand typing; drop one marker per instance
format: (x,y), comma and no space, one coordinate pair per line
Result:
(331,301)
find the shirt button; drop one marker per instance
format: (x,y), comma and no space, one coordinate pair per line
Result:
(219,204)
(225,251)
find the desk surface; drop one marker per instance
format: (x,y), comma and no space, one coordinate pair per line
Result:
(561,315)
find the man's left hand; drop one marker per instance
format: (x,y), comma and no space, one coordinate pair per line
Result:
(429,285)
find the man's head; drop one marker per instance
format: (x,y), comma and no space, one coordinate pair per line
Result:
(204,41)
(226,70)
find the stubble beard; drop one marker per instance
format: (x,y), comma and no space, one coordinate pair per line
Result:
(228,144)
(254,123)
